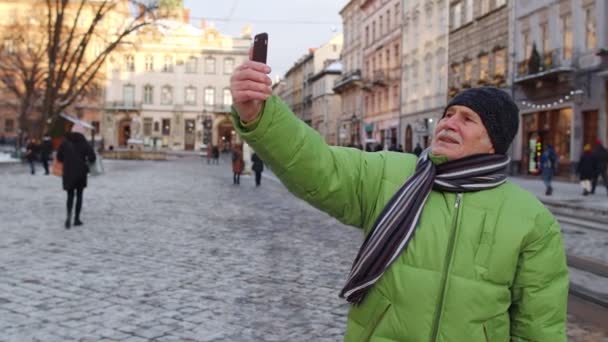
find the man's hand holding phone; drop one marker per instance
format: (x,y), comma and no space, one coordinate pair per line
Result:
(250,84)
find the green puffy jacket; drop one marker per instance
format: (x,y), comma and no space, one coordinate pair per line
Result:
(483,266)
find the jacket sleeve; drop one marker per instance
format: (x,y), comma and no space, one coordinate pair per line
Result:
(540,289)
(343,182)
(60,152)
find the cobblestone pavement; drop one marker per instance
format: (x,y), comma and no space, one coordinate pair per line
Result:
(172,251)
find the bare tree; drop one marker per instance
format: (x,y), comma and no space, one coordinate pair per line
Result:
(80,36)
(22,71)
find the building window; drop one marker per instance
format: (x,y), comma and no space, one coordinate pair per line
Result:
(500,63)
(168,64)
(128,95)
(191,65)
(544,38)
(210,65)
(166,127)
(526,46)
(590,28)
(440,65)
(485,6)
(366,35)
(9,125)
(147,126)
(456,15)
(468,11)
(397,14)
(149,61)
(228,66)
(567,36)
(156,126)
(166,95)
(148,94)
(227,97)
(388,19)
(190,96)
(456,74)
(9,46)
(396,103)
(468,71)
(130,63)
(373,31)
(209,96)
(381,25)
(484,66)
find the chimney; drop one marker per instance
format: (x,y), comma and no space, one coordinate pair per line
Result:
(203,24)
(186,14)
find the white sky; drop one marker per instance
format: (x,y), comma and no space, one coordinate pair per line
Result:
(293,26)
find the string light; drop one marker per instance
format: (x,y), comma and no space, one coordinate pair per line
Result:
(555,103)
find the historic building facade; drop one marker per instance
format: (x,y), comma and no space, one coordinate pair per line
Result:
(348,86)
(560,82)
(424,70)
(173,83)
(381,46)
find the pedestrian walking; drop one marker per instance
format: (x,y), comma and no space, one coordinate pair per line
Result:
(216,155)
(209,153)
(257,167)
(548,163)
(46,148)
(417,149)
(586,169)
(453,250)
(237,164)
(600,157)
(32,150)
(76,154)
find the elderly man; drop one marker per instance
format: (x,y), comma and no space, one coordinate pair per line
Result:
(453,251)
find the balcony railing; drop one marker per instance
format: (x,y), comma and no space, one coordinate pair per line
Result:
(380,78)
(349,79)
(123,105)
(549,65)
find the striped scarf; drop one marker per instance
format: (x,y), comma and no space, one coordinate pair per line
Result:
(395,226)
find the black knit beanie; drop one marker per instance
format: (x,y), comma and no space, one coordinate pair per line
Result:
(497,110)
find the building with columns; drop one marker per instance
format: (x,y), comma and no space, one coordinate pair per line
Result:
(173,82)
(561,81)
(424,70)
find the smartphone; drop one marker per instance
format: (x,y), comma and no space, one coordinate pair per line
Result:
(260,47)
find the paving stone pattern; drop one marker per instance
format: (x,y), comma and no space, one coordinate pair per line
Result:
(170,251)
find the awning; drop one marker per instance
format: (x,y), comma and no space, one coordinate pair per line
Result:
(77,121)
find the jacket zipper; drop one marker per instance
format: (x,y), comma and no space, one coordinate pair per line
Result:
(446,269)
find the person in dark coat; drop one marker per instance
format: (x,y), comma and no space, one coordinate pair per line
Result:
(418,149)
(585,169)
(257,167)
(600,157)
(216,155)
(31,154)
(75,153)
(46,148)
(237,164)
(548,163)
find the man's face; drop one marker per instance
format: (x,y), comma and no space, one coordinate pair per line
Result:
(460,133)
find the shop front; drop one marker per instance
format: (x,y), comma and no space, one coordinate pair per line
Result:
(543,128)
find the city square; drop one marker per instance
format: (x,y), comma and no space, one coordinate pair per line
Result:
(173,251)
